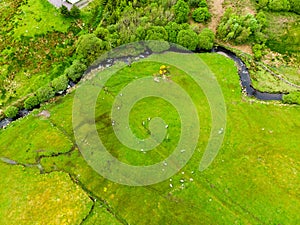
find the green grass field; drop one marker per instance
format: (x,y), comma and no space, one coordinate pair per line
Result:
(39,17)
(253,180)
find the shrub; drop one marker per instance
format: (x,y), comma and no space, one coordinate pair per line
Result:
(194,3)
(60,83)
(44,93)
(11,111)
(279,5)
(187,39)
(75,71)
(156,33)
(201,14)
(64,11)
(258,51)
(202,3)
(173,29)
(89,47)
(206,39)
(292,98)
(181,10)
(75,12)
(31,102)
(295,6)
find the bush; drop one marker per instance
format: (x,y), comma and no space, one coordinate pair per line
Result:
(188,39)
(173,29)
(206,39)
(181,10)
(194,3)
(258,51)
(31,102)
(156,33)
(279,5)
(64,11)
(201,15)
(202,3)
(75,12)
(295,6)
(75,71)
(60,83)
(11,111)
(292,98)
(89,48)
(44,93)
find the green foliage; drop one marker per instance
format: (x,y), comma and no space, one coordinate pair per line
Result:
(173,29)
(102,33)
(194,3)
(201,14)
(75,12)
(261,18)
(89,48)
(295,6)
(279,5)
(206,39)
(44,93)
(203,3)
(262,4)
(292,98)
(60,83)
(241,29)
(187,39)
(156,33)
(64,11)
(75,71)
(258,51)
(11,111)
(31,102)
(181,9)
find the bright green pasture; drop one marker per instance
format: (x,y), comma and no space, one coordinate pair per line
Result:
(39,17)
(253,180)
(28,197)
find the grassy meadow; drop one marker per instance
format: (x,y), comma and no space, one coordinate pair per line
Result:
(253,180)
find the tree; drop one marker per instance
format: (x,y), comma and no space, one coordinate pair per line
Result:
(60,83)
(44,93)
(194,3)
(263,4)
(295,6)
(181,10)
(31,102)
(75,12)
(11,111)
(201,14)
(257,51)
(75,71)
(156,33)
(89,48)
(187,39)
(279,5)
(206,39)
(102,33)
(64,11)
(173,29)
(202,3)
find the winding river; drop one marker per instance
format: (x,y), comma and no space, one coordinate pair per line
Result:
(242,71)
